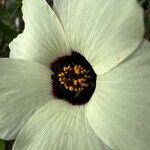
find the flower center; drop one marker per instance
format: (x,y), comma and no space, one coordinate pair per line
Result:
(74,79)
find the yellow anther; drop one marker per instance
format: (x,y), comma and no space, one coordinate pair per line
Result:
(65,68)
(60,79)
(83,84)
(71,88)
(76,89)
(63,78)
(59,74)
(75,67)
(82,72)
(83,79)
(66,72)
(68,67)
(75,82)
(80,81)
(66,86)
(77,71)
(79,89)
(62,82)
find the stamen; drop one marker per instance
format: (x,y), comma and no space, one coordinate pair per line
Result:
(71,88)
(74,78)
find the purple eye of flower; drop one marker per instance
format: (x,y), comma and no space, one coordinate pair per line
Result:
(73,78)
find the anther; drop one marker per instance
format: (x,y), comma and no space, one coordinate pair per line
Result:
(66,87)
(62,82)
(75,82)
(60,79)
(71,88)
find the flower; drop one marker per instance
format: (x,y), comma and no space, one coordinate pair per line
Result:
(108,36)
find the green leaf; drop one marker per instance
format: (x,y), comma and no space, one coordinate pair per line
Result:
(10,11)
(7,32)
(2,145)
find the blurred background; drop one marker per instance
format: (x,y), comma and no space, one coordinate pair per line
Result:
(11,24)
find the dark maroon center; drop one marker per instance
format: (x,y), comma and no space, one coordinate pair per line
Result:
(73,79)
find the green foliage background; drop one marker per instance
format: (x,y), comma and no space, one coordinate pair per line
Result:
(11,24)
(2,145)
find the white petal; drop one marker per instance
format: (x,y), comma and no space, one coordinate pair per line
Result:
(43,39)
(104,31)
(24,88)
(119,111)
(58,126)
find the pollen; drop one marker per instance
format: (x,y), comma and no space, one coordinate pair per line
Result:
(74,78)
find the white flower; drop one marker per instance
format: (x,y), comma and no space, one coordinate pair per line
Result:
(108,33)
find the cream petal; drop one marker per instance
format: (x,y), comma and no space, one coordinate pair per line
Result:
(24,88)
(119,111)
(43,39)
(58,126)
(104,31)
